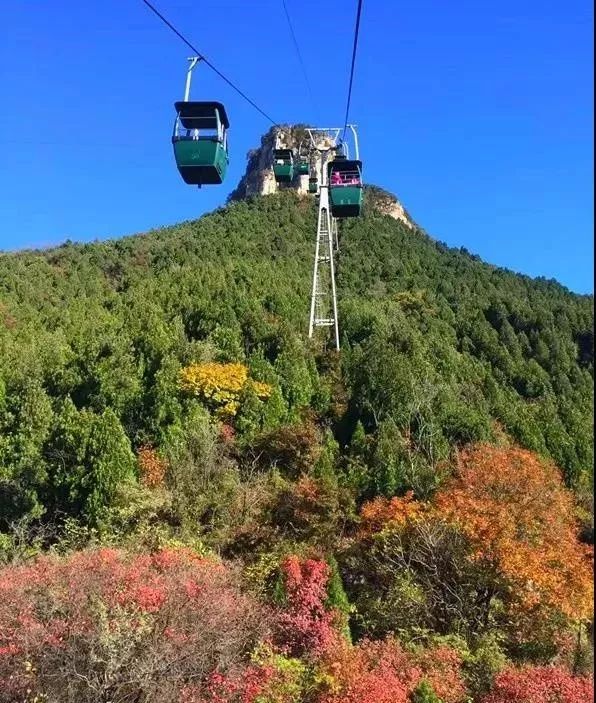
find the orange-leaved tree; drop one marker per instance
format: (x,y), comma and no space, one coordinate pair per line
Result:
(519,518)
(152,467)
(382,513)
(497,546)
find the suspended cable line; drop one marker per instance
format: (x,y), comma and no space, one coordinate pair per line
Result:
(207,62)
(356,32)
(299,54)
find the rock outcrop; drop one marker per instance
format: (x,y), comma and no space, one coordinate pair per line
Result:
(258,178)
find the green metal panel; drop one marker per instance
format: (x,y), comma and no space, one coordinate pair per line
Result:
(313,187)
(346,201)
(303,168)
(196,152)
(201,160)
(284,173)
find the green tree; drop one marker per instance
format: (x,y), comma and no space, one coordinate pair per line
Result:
(424,693)
(88,456)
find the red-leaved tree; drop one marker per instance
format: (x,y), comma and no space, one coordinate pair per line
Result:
(383,672)
(546,684)
(306,626)
(104,625)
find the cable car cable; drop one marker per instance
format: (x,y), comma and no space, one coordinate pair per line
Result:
(356,32)
(207,62)
(299,54)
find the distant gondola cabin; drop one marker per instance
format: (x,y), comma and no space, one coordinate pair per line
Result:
(200,142)
(283,165)
(303,168)
(345,187)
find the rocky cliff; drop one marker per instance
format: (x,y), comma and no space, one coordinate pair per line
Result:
(258,178)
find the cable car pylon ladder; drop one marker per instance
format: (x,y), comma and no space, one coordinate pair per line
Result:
(323,302)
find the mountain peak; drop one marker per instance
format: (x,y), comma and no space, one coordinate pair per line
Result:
(258,178)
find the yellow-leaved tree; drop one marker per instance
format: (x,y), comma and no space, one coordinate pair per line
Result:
(220,386)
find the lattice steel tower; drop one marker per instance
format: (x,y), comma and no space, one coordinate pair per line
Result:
(323,302)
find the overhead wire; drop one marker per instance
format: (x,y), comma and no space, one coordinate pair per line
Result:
(207,62)
(299,54)
(354,49)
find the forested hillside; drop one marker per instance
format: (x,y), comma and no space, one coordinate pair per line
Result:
(408,510)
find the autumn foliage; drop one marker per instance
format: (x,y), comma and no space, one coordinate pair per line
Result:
(383,672)
(220,385)
(123,621)
(519,525)
(152,467)
(243,686)
(520,521)
(306,626)
(545,684)
(381,513)
(373,672)
(174,627)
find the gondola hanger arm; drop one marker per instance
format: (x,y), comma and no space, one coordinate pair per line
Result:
(194,60)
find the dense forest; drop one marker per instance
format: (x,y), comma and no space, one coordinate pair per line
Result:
(189,485)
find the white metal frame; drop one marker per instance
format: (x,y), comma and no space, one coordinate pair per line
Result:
(194,60)
(323,301)
(222,133)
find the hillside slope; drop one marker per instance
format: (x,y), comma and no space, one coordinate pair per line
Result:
(426,330)
(263,518)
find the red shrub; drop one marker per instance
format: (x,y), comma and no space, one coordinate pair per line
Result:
(306,626)
(226,433)
(243,687)
(372,672)
(382,672)
(138,627)
(545,684)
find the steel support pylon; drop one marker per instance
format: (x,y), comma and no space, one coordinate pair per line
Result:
(323,302)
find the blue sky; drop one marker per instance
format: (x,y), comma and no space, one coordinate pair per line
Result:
(477,115)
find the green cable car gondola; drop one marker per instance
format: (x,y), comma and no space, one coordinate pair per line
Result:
(200,142)
(345,187)
(303,168)
(303,165)
(313,185)
(283,165)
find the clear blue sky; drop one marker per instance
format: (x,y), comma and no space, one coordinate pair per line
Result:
(477,115)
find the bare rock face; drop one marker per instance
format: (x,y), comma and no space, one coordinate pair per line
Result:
(258,178)
(388,204)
